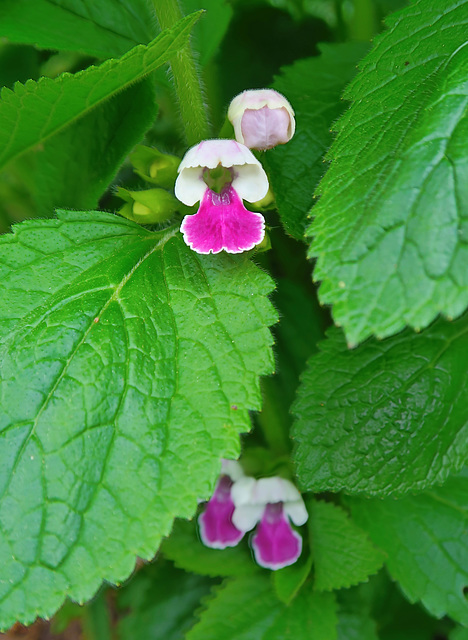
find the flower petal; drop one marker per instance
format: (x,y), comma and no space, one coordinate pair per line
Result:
(215,523)
(250,180)
(275,543)
(223,223)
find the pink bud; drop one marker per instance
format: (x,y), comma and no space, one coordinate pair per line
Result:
(262,118)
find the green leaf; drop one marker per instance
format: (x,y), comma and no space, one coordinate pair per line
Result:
(387,417)
(289,580)
(314,87)
(460,633)
(390,228)
(187,552)
(36,111)
(103,29)
(343,554)
(425,539)
(122,355)
(246,608)
(75,167)
(159,603)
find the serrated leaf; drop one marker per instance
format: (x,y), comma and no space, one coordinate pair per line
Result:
(35,111)
(390,228)
(343,554)
(103,29)
(122,354)
(387,417)
(159,603)
(246,608)
(75,167)
(425,539)
(187,552)
(314,87)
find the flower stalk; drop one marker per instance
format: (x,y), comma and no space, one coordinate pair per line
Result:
(187,81)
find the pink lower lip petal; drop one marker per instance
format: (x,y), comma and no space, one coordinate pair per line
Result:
(222,223)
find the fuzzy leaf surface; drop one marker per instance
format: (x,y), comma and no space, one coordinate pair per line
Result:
(103,29)
(425,539)
(343,554)
(390,231)
(314,87)
(35,111)
(387,417)
(246,608)
(122,353)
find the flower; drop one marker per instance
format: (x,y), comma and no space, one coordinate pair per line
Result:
(215,523)
(262,118)
(273,502)
(220,174)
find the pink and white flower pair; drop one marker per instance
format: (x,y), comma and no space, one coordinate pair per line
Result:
(240,503)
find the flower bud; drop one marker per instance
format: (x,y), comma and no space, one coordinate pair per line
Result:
(155,167)
(147,207)
(262,118)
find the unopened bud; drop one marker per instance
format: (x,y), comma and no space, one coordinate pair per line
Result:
(155,167)
(147,207)
(262,118)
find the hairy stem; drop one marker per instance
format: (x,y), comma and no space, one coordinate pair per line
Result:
(188,85)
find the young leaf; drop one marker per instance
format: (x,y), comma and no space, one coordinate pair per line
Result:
(387,417)
(246,608)
(75,167)
(159,603)
(390,226)
(343,554)
(187,552)
(314,87)
(425,539)
(104,29)
(35,111)
(123,356)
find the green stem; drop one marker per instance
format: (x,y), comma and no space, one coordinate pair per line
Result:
(363,25)
(96,619)
(188,86)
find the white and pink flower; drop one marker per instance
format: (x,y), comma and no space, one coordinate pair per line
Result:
(241,503)
(273,503)
(262,118)
(220,174)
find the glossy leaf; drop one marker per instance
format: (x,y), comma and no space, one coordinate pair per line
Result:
(35,111)
(103,29)
(390,228)
(123,354)
(425,539)
(314,87)
(387,417)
